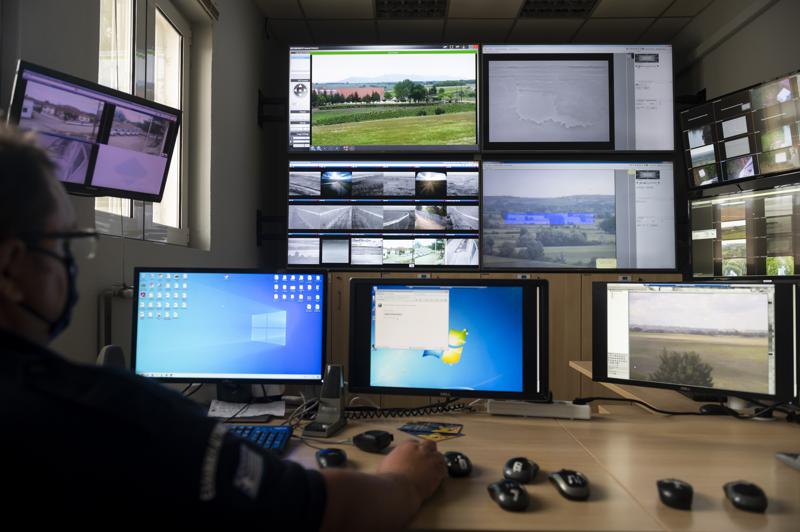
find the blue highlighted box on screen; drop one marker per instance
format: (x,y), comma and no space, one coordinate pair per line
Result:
(548,218)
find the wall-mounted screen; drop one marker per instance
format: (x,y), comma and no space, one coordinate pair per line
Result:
(547,215)
(383,98)
(375,214)
(604,97)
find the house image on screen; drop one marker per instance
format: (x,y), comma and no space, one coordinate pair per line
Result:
(27,109)
(268,328)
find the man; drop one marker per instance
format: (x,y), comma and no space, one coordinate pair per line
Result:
(104,444)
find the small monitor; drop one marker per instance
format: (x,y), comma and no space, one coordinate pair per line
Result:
(466,337)
(102,142)
(383,98)
(205,325)
(733,339)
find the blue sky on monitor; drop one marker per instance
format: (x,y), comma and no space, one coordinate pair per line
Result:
(388,68)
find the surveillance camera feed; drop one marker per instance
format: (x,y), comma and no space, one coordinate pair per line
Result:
(398,214)
(578,215)
(383,98)
(709,336)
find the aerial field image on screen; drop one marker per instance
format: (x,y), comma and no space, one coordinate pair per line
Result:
(361,98)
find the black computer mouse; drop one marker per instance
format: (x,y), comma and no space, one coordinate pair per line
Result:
(571,484)
(458,465)
(520,469)
(675,493)
(373,441)
(509,495)
(746,496)
(331,458)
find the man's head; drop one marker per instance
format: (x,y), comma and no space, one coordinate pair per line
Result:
(34,282)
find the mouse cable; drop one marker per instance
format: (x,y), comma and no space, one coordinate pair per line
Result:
(370,412)
(306,440)
(587,400)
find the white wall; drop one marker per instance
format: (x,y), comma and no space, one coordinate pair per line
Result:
(63,35)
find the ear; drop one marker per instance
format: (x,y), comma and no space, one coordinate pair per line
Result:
(12,250)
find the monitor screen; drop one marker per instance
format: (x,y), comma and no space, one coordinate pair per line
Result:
(212,325)
(383,98)
(578,215)
(747,134)
(605,97)
(746,234)
(735,338)
(479,337)
(102,142)
(384,214)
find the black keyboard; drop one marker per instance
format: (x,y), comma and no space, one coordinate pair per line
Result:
(274,438)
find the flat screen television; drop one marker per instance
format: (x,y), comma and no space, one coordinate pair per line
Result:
(578,97)
(103,142)
(578,216)
(383,98)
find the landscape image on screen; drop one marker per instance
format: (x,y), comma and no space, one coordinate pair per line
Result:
(59,112)
(361,99)
(708,340)
(303,251)
(553,221)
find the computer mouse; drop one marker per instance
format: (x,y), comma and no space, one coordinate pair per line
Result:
(373,441)
(520,469)
(746,496)
(509,495)
(331,458)
(675,493)
(571,484)
(458,464)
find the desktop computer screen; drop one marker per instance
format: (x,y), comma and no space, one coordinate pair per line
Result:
(578,215)
(383,98)
(604,97)
(193,325)
(737,339)
(473,338)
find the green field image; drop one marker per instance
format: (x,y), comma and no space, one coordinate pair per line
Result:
(777,266)
(736,230)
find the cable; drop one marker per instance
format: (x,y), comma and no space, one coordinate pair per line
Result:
(587,400)
(369,412)
(244,407)
(195,390)
(306,440)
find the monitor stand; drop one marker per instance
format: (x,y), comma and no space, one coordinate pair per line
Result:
(236,392)
(740,406)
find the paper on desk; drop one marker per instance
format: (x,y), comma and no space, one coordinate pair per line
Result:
(226,410)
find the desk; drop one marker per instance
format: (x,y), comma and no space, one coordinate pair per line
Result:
(623,454)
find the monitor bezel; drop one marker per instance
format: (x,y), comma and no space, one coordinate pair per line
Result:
(209,380)
(784,342)
(360,338)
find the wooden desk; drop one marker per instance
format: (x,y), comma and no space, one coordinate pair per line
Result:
(622,453)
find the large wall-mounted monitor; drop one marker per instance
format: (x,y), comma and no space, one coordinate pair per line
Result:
(735,339)
(578,97)
(384,214)
(578,215)
(747,134)
(383,98)
(102,142)
(208,325)
(466,337)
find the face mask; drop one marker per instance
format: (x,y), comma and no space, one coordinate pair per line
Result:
(57,326)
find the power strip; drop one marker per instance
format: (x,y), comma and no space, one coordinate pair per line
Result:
(556,409)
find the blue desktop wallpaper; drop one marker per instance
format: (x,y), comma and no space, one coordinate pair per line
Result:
(231,323)
(492,355)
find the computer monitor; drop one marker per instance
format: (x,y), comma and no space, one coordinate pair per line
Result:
(215,325)
(103,142)
(383,98)
(450,337)
(577,215)
(579,97)
(382,214)
(730,339)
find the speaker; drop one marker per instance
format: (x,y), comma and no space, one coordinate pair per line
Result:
(330,413)
(112,356)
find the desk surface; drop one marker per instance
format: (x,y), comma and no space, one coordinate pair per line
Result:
(622,453)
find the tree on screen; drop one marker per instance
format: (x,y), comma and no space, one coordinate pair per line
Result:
(683,368)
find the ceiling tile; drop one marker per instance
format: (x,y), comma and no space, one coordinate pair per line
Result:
(328,9)
(477,31)
(612,30)
(630,8)
(484,9)
(405,31)
(280,8)
(343,31)
(686,8)
(290,31)
(531,30)
(664,30)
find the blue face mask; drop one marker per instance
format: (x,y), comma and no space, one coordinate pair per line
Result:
(58,325)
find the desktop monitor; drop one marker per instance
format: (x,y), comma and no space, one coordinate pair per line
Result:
(465,338)
(208,325)
(103,142)
(578,216)
(382,214)
(578,97)
(383,98)
(729,339)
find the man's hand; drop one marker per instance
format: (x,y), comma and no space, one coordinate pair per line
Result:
(419,462)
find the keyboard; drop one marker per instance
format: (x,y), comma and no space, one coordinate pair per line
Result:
(273,438)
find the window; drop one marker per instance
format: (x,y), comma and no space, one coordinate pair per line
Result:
(156,31)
